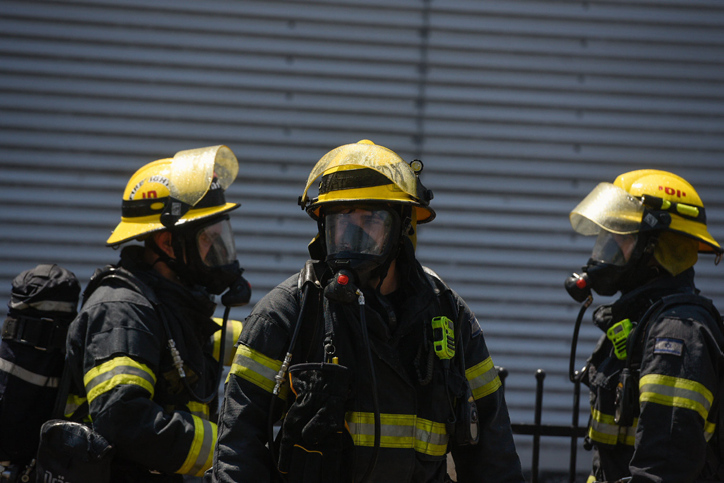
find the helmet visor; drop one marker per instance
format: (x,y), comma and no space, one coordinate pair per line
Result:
(610,208)
(215,243)
(192,172)
(613,248)
(358,231)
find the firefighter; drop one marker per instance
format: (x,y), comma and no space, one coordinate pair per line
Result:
(140,350)
(388,367)
(654,376)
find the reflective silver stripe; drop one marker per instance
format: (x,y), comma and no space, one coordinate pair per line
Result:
(399,431)
(255,367)
(483,378)
(45,306)
(72,404)
(199,409)
(676,392)
(605,430)
(709,429)
(201,451)
(228,350)
(27,376)
(118,370)
(207,446)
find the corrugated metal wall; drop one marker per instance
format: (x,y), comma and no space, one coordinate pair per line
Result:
(517,109)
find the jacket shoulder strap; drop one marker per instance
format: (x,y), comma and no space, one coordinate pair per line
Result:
(442,291)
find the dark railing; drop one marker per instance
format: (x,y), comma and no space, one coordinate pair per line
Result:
(537,429)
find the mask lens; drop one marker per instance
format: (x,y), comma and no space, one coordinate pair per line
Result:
(612,248)
(216,244)
(358,231)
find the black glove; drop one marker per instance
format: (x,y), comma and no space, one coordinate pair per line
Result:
(315,443)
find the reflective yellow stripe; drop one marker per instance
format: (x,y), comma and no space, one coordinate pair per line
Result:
(201,454)
(255,367)
(709,429)
(118,371)
(199,409)
(399,431)
(72,403)
(605,430)
(233,330)
(676,392)
(483,378)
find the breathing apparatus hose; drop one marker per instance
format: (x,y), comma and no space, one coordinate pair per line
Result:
(179,363)
(375,399)
(574,375)
(237,295)
(282,374)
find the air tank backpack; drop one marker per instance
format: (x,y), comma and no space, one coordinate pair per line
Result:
(70,451)
(43,302)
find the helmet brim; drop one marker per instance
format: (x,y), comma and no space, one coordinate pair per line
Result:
(131,228)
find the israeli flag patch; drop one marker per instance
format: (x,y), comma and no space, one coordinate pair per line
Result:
(665,345)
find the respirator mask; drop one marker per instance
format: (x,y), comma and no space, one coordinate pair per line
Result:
(210,255)
(608,265)
(360,242)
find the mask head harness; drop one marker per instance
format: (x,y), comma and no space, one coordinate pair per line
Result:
(204,254)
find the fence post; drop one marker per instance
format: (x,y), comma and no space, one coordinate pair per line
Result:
(539,376)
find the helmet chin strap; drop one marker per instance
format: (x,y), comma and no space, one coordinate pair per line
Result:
(641,271)
(383,270)
(177,267)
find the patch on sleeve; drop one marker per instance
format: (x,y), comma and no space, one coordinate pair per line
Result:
(665,345)
(475,328)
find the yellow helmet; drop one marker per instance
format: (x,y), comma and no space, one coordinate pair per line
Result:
(173,191)
(643,200)
(365,171)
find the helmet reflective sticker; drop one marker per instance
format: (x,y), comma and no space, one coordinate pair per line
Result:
(610,208)
(358,231)
(216,244)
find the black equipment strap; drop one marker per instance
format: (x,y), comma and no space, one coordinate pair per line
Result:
(42,333)
(62,397)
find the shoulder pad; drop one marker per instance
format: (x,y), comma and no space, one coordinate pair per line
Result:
(117,273)
(436,283)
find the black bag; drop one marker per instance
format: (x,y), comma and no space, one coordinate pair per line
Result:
(42,305)
(72,452)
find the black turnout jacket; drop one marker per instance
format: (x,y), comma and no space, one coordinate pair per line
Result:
(674,435)
(413,399)
(124,381)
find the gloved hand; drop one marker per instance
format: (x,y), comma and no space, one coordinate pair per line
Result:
(314,440)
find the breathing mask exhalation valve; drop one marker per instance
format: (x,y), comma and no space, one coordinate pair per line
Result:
(238,294)
(578,287)
(342,288)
